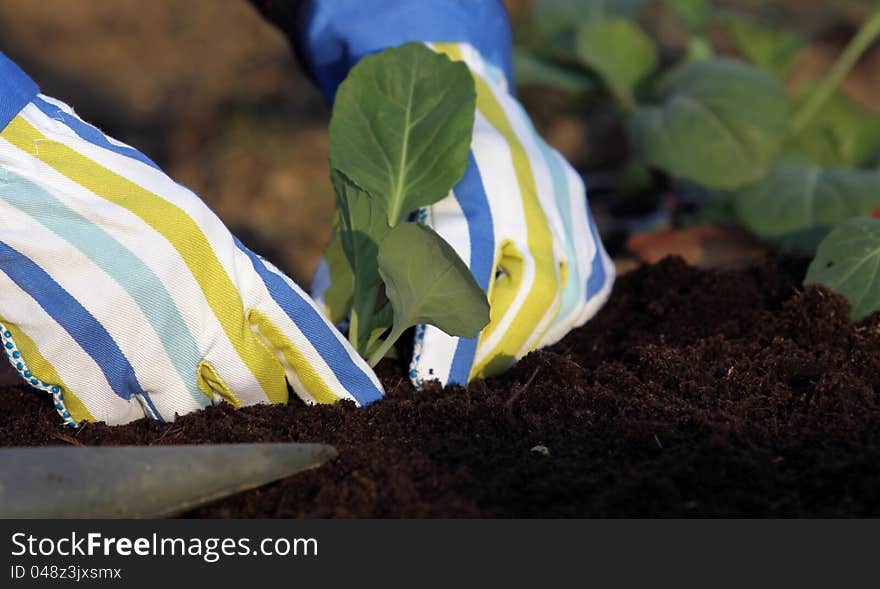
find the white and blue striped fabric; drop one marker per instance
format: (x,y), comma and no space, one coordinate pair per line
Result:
(124,296)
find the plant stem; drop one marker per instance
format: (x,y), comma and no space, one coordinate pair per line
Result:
(699,49)
(371,343)
(867,34)
(624,98)
(353,327)
(380,352)
(362,306)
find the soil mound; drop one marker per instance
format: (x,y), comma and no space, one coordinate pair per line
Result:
(693,393)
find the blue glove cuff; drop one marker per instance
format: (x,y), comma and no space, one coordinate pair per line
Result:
(338,33)
(16,90)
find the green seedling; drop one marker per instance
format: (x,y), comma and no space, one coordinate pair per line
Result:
(399,140)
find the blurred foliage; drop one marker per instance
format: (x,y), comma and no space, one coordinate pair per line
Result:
(788,161)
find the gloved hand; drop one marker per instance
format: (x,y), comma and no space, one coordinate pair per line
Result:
(123,295)
(518,217)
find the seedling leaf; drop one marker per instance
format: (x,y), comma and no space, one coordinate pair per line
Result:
(363,225)
(842,134)
(427,282)
(382,321)
(619,51)
(555,17)
(769,48)
(339,293)
(798,203)
(848,262)
(532,70)
(721,124)
(401,126)
(695,14)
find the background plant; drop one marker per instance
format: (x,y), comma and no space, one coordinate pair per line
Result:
(800,168)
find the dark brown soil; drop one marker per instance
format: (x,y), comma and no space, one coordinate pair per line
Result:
(693,393)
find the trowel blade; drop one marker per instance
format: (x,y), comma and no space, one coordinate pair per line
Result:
(140,481)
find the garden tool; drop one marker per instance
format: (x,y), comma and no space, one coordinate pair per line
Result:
(141,481)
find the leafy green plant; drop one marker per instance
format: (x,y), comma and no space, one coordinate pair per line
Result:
(799,203)
(848,261)
(788,165)
(770,48)
(399,140)
(619,52)
(720,124)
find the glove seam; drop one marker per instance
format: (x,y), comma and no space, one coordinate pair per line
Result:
(213,384)
(17,361)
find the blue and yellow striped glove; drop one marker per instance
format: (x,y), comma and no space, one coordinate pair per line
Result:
(519,216)
(124,296)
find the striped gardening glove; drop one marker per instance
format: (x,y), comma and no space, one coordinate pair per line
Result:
(124,296)
(519,216)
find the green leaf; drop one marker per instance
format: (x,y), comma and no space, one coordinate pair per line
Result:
(721,124)
(382,320)
(633,179)
(619,51)
(532,70)
(848,262)
(699,49)
(841,134)
(363,225)
(401,126)
(427,282)
(695,14)
(798,204)
(555,17)
(769,48)
(339,293)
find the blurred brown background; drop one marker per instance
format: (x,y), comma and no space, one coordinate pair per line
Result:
(213,94)
(207,89)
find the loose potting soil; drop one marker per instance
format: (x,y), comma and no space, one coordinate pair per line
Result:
(692,393)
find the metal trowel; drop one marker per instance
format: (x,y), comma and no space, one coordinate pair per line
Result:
(140,481)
